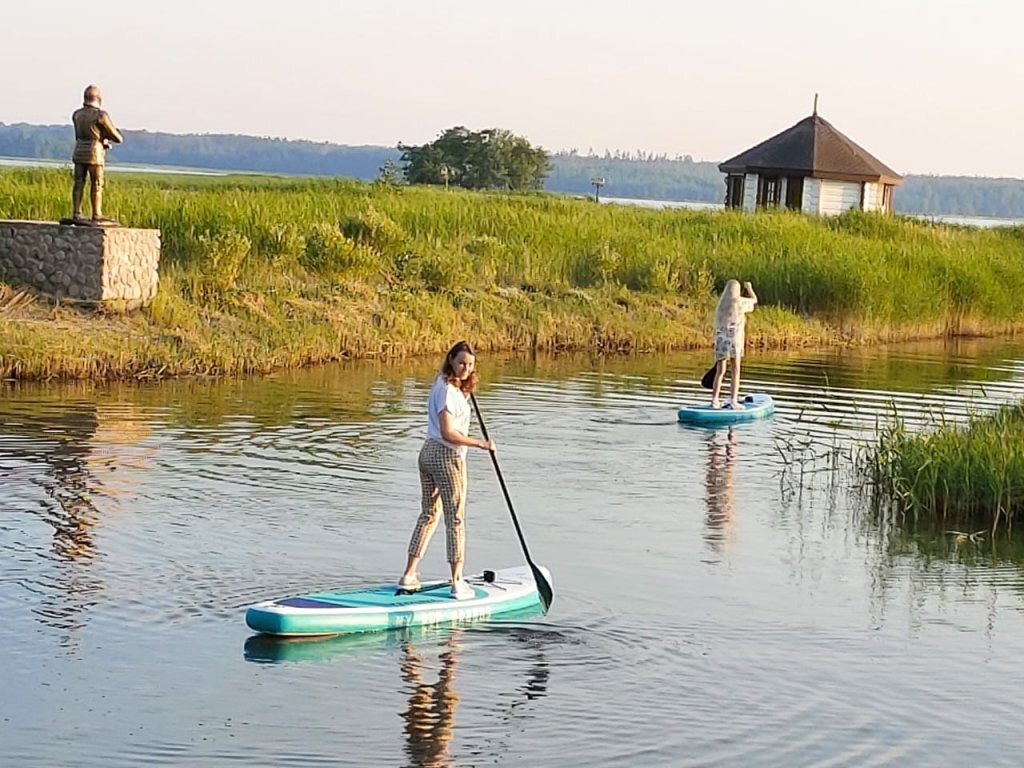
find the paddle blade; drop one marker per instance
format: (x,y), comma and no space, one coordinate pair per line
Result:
(543,587)
(708,379)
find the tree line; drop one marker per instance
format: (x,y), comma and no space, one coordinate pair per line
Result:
(489,159)
(222,152)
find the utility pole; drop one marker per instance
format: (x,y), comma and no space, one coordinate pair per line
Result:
(598,182)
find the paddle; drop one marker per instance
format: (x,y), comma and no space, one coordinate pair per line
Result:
(543,587)
(708,379)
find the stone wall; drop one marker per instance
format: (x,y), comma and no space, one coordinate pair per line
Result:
(111,266)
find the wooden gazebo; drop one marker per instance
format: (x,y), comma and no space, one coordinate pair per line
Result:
(809,167)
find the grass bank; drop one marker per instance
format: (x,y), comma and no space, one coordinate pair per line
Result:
(259,273)
(964,475)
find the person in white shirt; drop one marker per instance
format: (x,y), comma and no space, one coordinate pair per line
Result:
(442,467)
(730,328)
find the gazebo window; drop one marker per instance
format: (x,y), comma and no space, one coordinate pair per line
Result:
(795,193)
(734,190)
(887,190)
(769,191)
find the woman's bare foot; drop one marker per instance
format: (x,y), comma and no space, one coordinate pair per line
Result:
(736,405)
(716,404)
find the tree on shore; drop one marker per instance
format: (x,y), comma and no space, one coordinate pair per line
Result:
(489,159)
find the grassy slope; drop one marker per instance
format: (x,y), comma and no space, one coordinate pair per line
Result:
(259,273)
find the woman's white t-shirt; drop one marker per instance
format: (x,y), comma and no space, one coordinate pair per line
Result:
(447,397)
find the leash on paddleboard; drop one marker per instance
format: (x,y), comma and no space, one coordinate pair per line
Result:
(417,590)
(487,578)
(543,586)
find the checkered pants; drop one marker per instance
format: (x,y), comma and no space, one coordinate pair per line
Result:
(443,480)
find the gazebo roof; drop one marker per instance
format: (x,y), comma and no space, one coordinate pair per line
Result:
(812,147)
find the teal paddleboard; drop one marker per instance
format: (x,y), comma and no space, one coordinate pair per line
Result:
(754,407)
(386,606)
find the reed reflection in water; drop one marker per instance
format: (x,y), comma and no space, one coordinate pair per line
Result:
(67,453)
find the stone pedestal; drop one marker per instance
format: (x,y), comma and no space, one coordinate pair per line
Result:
(114,267)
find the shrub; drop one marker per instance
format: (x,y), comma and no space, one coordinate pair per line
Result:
(219,258)
(328,251)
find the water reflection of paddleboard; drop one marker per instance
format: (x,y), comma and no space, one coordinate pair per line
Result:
(754,407)
(386,607)
(272,649)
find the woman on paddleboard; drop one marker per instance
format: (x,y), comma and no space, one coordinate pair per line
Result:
(442,467)
(730,326)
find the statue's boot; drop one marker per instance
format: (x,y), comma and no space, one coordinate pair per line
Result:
(78,220)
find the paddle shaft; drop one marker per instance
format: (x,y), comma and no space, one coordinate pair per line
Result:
(543,587)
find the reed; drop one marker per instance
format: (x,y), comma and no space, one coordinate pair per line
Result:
(263,272)
(959,474)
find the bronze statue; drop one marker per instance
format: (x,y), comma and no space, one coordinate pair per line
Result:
(94,132)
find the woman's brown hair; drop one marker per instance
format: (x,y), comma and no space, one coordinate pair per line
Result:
(468,386)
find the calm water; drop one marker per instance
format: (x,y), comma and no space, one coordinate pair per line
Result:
(721,597)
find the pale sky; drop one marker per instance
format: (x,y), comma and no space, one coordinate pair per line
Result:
(927,86)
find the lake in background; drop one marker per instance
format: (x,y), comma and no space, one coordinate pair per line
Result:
(43,162)
(722,597)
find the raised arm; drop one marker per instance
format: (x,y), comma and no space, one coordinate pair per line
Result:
(110,133)
(748,290)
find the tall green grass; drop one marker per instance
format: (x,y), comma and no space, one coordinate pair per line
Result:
(267,271)
(961,474)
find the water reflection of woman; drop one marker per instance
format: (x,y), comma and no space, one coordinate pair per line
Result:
(719,485)
(430,716)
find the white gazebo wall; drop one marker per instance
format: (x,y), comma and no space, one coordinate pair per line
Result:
(821,197)
(812,194)
(750,193)
(872,196)
(838,196)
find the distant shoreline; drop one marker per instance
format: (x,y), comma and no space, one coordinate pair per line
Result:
(45,162)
